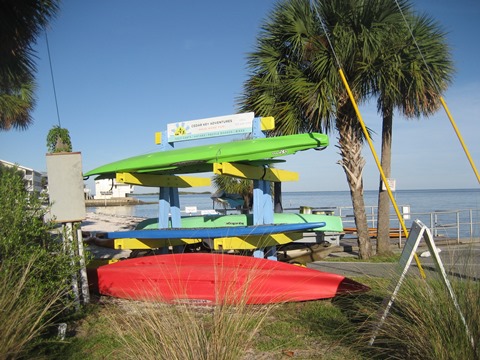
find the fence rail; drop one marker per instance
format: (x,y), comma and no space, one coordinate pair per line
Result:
(453,224)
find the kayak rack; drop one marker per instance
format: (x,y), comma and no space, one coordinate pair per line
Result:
(262,175)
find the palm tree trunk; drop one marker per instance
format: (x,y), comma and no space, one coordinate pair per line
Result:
(383,220)
(352,162)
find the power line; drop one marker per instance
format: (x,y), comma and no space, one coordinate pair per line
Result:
(53,79)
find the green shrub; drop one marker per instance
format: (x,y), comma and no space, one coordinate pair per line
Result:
(26,311)
(23,232)
(35,272)
(424,322)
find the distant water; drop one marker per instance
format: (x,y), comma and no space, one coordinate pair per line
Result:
(421,203)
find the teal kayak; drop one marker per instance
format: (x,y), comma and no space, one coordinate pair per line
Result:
(332,223)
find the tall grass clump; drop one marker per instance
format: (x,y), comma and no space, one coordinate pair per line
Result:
(157,330)
(26,312)
(181,328)
(35,272)
(424,322)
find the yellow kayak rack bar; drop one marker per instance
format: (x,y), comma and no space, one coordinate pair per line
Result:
(162,180)
(254,172)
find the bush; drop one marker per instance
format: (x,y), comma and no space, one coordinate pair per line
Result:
(26,311)
(24,232)
(424,322)
(35,272)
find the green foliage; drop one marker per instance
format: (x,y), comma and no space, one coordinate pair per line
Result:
(185,331)
(424,310)
(26,310)
(58,140)
(21,24)
(231,185)
(35,272)
(24,232)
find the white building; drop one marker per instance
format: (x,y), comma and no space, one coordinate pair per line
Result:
(110,188)
(33,178)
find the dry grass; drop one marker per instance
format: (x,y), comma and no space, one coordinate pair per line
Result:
(25,312)
(424,322)
(159,330)
(186,329)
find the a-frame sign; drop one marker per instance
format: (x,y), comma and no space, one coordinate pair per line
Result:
(417,232)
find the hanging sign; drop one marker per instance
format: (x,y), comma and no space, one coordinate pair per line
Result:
(210,127)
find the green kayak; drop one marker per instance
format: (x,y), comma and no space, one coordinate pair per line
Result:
(201,158)
(332,223)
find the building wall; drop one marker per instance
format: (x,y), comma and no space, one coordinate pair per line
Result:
(110,188)
(32,178)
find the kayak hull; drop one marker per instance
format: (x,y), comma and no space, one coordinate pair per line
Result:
(219,279)
(198,159)
(212,232)
(332,223)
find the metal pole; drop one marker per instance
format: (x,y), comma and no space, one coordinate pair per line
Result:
(68,244)
(83,268)
(458,227)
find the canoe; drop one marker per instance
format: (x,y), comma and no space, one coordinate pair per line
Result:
(212,232)
(219,279)
(332,223)
(201,158)
(305,254)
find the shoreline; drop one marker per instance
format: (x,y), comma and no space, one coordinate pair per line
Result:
(98,222)
(114,202)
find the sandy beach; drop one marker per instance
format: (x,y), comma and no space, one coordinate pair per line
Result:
(96,223)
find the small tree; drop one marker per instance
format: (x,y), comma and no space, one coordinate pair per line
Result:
(58,140)
(231,185)
(24,230)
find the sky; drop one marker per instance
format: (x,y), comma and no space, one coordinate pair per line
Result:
(123,70)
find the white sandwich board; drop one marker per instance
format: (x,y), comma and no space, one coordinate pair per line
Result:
(418,232)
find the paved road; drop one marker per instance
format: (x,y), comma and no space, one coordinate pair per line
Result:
(458,260)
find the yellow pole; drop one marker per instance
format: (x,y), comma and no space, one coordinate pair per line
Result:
(472,164)
(382,174)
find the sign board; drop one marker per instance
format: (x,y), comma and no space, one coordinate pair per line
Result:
(210,127)
(190,209)
(65,187)
(391,184)
(417,232)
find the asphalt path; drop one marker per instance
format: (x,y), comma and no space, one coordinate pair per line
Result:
(458,260)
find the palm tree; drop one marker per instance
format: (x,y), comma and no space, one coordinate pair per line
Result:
(294,76)
(231,185)
(20,24)
(409,79)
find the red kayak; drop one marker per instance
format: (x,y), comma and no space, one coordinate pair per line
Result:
(206,278)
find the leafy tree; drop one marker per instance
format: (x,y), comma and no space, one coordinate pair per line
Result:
(24,231)
(58,140)
(410,80)
(21,22)
(294,75)
(232,185)
(295,78)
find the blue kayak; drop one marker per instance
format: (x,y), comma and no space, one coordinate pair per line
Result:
(212,233)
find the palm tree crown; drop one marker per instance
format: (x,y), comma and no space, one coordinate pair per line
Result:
(294,73)
(20,24)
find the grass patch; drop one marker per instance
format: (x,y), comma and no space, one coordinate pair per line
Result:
(423,324)
(26,313)
(156,330)
(374,259)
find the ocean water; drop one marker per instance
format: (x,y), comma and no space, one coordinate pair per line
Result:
(438,209)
